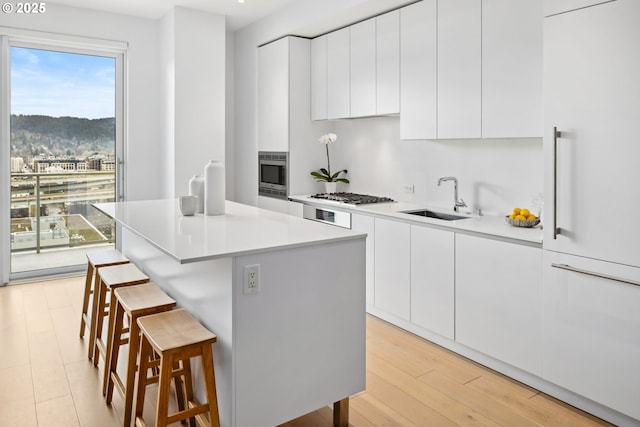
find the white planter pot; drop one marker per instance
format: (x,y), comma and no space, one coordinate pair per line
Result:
(330,187)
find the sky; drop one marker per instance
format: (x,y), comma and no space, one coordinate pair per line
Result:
(61,84)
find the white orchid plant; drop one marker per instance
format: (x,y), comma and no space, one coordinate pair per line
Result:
(325,175)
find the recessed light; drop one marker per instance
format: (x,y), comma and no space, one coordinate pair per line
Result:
(240,1)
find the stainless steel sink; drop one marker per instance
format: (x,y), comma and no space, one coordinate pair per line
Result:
(437,215)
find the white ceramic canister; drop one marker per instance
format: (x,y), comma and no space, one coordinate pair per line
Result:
(196,188)
(214,193)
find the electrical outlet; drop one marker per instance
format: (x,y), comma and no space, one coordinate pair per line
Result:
(251,279)
(409,188)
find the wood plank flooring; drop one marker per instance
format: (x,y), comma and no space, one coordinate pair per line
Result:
(47,381)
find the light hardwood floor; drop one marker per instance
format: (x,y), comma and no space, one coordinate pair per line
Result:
(47,381)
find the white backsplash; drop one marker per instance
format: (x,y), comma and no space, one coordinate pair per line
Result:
(494,175)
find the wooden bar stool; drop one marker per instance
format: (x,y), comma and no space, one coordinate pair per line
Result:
(95,261)
(134,302)
(111,278)
(175,336)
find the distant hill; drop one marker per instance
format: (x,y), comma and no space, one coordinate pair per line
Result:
(45,135)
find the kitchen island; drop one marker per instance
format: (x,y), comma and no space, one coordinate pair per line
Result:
(289,345)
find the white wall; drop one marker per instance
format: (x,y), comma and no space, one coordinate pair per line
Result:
(144,153)
(494,175)
(199,89)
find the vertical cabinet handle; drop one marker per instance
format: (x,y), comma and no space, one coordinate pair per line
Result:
(556,134)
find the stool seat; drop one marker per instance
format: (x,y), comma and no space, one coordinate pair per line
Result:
(95,261)
(175,330)
(175,337)
(111,278)
(132,301)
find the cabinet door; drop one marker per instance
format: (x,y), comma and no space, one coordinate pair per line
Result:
(459,69)
(338,71)
(499,300)
(511,68)
(418,51)
(273,96)
(272,204)
(592,95)
(363,69)
(392,267)
(319,78)
(553,7)
(432,280)
(366,224)
(592,331)
(388,63)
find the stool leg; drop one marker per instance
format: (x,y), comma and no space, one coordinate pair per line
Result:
(210,385)
(180,391)
(109,346)
(164,389)
(144,357)
(114,339)
(188,387)
(134,345)
(85,302)
(100,313)
(97,291)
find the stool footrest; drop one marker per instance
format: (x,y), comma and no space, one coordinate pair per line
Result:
(194,409)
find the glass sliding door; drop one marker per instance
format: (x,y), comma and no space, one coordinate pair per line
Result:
(64,145)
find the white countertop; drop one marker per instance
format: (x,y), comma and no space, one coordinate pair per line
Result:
(242,230)
(488,225)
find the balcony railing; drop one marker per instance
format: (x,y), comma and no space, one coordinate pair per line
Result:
(53,210)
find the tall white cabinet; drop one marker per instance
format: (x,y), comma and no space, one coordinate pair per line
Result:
(273,96)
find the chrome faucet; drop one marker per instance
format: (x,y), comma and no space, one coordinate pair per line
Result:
(456,203)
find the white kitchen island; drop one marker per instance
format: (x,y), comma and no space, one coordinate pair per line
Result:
(296,345)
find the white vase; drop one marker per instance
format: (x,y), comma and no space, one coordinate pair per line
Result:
(196,188)
(330,187)
(214,193)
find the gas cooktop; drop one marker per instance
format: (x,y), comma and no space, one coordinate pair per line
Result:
(352,198)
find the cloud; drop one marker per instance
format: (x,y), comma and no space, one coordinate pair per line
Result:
(62,84)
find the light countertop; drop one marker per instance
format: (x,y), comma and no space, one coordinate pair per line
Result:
(242,230)
(492,226)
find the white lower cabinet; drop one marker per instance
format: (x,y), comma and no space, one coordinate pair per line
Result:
(592,330)
(273,204)
(392,275)
(432,280)
(499,300)
(366,224)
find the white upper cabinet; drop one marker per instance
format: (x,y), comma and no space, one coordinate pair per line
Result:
(319,78)
(459,69)
(553,7)
(363,69)
(418,70)
(388,63)
(273,96)
(511,68)
(338,74)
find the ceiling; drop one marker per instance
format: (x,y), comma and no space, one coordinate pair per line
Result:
(238,14)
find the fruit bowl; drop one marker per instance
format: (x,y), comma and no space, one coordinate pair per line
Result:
(523,223)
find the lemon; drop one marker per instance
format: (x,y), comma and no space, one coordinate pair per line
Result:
(525,212)
(521,218)
(512,216)
(516,211)
(532,217)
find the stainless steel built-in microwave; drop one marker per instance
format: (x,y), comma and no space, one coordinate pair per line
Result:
(272,173)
